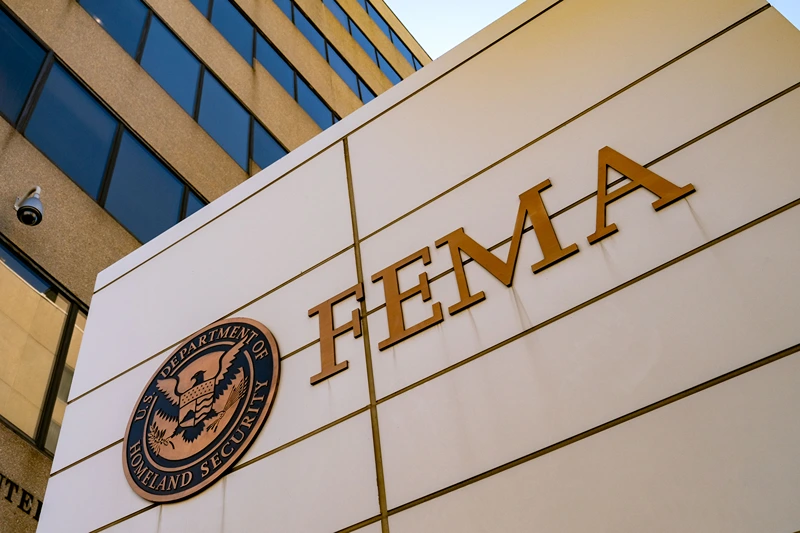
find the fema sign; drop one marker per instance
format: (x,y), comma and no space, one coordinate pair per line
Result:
(201,410)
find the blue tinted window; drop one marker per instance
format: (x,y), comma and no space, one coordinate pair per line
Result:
(343,69)
(193,204)
(144,196)
(362,40)
(387,69)
(171,64)
(71,128)
(379,20)
(234,27)
(275,64)
(403,48)
(122,19)
(8,258)
(202,6)
(363,3)
(20,60)
(224,119)
(311,33)
(286,7)
(417,64)
(366,93)
(313,105)
(338,12)
(266,149)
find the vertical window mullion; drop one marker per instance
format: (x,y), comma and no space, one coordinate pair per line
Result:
(196,112)
(250,157)
(54,382)
(143,37)
(35,92)
(112,159)
(210,9)
(184,201)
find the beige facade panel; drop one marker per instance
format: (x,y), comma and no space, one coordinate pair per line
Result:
(259,91)
(721,460)
(95,239)
(26,467)
(302,55)
(116,78)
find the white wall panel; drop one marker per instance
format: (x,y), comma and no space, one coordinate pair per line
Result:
(760,58)
(322,484)
(275,235)
(726,307)
(91,494)
(566,60)
(301,408)
(147,522)
(745,170)
(721,460)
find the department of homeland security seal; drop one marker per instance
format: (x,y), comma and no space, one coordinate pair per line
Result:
(201,410)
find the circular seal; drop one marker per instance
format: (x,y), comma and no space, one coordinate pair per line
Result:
(201,410)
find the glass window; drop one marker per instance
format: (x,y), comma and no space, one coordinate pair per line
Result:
(122,19)
(311,33)
(224,119)
(313,105)
(171,64)
(363,4)
(366,93)
(71,128)
(286,7)
(31,324)
(266,150)
(417,64)
(365,43)
(378,19)
(202,6)
(193,204)
(403,48)
(343,69)
(65,382)
(144,196)
(338,12)
(230,22)
(275,64)
(20,60)
(387,69)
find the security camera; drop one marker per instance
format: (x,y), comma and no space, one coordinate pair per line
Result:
(29,209)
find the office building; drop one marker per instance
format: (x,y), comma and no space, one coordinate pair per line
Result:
(130,116)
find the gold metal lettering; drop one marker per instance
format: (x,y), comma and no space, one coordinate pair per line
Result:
(395,299)
(666,191)
(530,204)
(328,334)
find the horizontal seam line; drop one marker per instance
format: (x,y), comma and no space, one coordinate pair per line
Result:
(602,427)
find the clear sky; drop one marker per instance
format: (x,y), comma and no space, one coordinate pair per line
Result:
(439,25)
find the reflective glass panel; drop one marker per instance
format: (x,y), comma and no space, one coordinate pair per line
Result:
(20,60)
(387,69)
(313,105)
(122,19)
(366,93)
(31,325)
(266,150)
(144,196)
(286,7)
(71,128)
(403,48)
(65,382)
(365,43)
(363,4)
(171,64)
(338,12)
(224,119)
(417,64)
(202,6)
(375,16)
(193,204)
(230,22)
(275,64)
(343,69)
(311,33)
